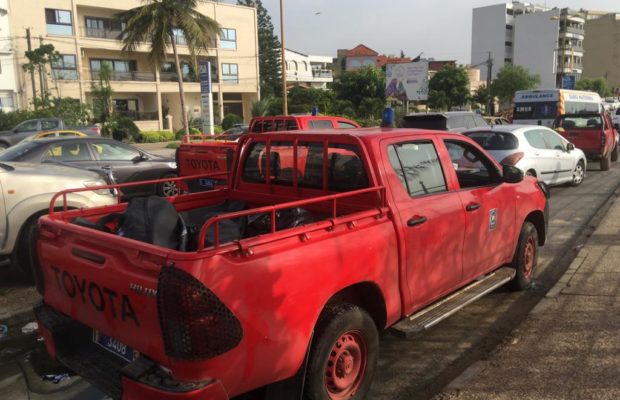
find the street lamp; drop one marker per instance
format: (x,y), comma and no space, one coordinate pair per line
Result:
(284,96)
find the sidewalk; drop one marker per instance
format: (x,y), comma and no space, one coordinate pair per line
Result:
(569,346)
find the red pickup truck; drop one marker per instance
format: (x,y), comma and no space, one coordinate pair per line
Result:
(339,236)
(593,133)
(199,154)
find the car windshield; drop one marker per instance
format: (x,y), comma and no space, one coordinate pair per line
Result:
(16,152)
(495,140)
(592,121)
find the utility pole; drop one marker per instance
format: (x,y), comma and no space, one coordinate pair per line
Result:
(34,89)
(490,107)
(284,96)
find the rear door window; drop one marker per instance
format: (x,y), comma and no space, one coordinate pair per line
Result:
(257,127)
(535,139)
(291,125)
(68,152)
(320,124)
(418,167)
(345,125)
(495,140)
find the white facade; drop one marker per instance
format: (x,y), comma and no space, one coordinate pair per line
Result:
(308,70)
(542,30)
(8,84)
(493,30)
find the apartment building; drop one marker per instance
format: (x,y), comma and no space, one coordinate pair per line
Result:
(308,70)
(602,49)
(8,82)
(85,32)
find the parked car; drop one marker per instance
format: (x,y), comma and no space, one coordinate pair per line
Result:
(54,134)
(616,119)
(26,193)
(127,163)
(320,241)
(536,150)
(453,121)
(593,133)
(34,126)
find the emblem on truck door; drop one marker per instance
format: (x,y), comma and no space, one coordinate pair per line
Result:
(492,219)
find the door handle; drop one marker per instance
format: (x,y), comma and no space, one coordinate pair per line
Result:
(417,220)
(472,207)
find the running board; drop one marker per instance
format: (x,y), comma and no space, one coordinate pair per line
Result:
(436,312)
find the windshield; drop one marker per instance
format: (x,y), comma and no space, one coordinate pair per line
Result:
(592,121)
(535,110)
(16,152)
(495,140)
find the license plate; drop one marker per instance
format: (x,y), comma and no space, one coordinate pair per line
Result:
(114,346)
(208,183)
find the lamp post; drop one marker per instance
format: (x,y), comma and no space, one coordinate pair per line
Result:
(284,95)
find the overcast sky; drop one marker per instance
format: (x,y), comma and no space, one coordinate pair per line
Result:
(439,28)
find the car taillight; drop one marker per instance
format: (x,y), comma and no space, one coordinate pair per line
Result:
(97,130)
(195,323)
(512,159)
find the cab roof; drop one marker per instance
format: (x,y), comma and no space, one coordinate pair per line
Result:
(366,134)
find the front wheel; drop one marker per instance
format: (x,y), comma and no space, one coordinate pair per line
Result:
(344,354)
(578,174)
(168,189)
(526,257)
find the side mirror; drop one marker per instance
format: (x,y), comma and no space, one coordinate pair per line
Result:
(570,147)
(138,158)
(512,174)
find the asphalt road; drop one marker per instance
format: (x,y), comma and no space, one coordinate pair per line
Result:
(419,368)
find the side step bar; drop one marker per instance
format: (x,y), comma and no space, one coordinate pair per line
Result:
(436,312)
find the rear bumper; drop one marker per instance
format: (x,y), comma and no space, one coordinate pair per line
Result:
(70,342)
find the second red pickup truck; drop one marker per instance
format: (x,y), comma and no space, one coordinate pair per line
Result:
(320,241)
(593,133)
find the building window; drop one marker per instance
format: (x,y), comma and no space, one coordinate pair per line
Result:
(230,73)
(6,102)
(508,44)
(65,68)
(104,28)
(58,22)
(508,27)
(508,60)
(122,70)
(168,72)
(228,39)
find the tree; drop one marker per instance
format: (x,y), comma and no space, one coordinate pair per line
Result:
(38,59)
(160,23)
(598,85)
(366,82)
(482,96)
(260,108)
(102,92)
(511,78)
(269,49)
(448,88)
(302,99)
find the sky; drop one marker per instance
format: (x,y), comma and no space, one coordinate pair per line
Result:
(439,28)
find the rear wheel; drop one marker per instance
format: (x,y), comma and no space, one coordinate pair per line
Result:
(3,146)
(614,154)
(168,189)
(606,162)
(578,174)
(27,257)
(344,354)
(526,257)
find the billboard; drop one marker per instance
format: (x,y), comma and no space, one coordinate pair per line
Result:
(206,98)
(407,81)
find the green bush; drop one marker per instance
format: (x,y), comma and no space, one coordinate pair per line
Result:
(217,129)
(124,128)
(368,122)
(156,136)
(231,120)
(178,135)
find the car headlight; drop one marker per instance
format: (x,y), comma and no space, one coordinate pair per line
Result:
(102,192)
(172,165)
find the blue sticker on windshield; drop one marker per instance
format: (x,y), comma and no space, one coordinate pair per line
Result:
(492,219)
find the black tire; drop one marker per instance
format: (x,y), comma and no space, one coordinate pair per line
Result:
(346,338)
(526,257)
(578,174)
(27,257)
(606,163)
(168,189)
(4,146)
(614,153)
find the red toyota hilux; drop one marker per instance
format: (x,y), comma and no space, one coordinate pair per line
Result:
(320,241)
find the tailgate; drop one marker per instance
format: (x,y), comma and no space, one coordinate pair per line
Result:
(588,140)
(106,282)
(204,158)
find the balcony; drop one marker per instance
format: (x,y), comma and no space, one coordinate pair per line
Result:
(138,115)
(322,74)
(64,74)
(138,76)
(173,77)
(100,33)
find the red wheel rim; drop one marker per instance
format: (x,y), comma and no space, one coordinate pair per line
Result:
(529,257)
(346,366)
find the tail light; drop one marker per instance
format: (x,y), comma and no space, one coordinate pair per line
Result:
(512,159)
(97,130)
(195,323)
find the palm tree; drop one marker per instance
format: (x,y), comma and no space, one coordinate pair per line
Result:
(160,23)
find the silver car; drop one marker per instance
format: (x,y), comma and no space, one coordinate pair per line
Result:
(536,150)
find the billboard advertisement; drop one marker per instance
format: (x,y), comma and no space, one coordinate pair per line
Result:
(407,81)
